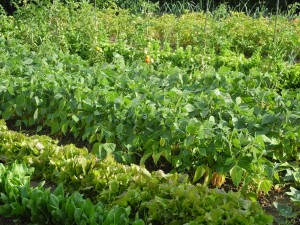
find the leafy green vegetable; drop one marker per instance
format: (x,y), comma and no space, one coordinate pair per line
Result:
(121,194)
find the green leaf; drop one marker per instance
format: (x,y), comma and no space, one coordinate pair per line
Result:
(236,143)
(70,209)
(36,114)
(295,195)
(101,150)
(37,100)
(285,210)
(58,96)
(223,70)
(267,119)
(11,90)
(236,174)
(156,157)
(75,118)
(238,100)
(88,208)
(109,147)
(6,115)
(265,185)
(189,108)
(28,61)
(64,128)
(227,98)
(252,196)
(138,222)
(116,216)
(59,190)
(200,171)
(246,163)
(53,202)
(77,215)
(162,142)
(54,126)
(20,101)
(144,158)
(192,129)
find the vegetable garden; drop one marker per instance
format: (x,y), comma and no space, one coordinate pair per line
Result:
(187,118)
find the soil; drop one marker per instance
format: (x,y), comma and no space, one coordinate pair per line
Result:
(266,201)
(10,221)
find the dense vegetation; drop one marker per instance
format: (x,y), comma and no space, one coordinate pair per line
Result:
(207,97)
(11,6)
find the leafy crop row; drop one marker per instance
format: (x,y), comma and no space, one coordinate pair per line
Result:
(154,197)
(231,122)
(19,199)
(185,91)
(191,40)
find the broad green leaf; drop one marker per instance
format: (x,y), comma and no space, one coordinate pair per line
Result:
(75,118)
(189,141)
(268,118)
(246,163)
(156,157)
(167,154)
(259,140)
(64,128)
(265,185)
(77,215)
(236,174)
(238,100)
(285,210)
(53,202)
(144,158)
(109,147)
(252,196)
(6,115)
(268,171)
(11,90)
(192,129)
(114,186)
(58,96)
(236,143)
(88,208)
(70,209)
(138,222)
(102,150)
(162,142)
(28,61)
(54,126)
(294,195)
(189,108)
(223,70)
(227,98)
(119,129)
(200,171)
(59,190)
(39,128)
(20,100)
(297,176)
(37,100)
(36,114)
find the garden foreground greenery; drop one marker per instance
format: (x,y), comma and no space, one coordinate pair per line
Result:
(186,117)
